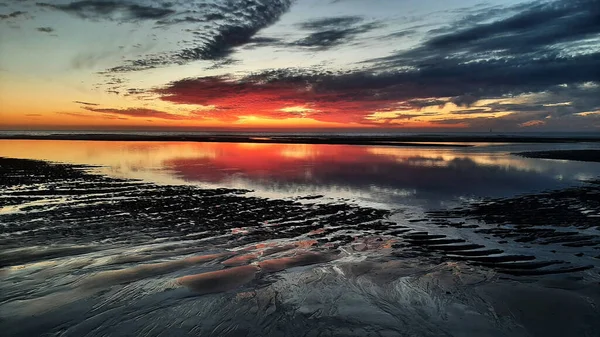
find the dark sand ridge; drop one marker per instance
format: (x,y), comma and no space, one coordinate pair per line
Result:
(108,278)
(577,155)
(150,212)
(387,140)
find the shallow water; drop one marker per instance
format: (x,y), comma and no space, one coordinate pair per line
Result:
(384,176)
(93,256)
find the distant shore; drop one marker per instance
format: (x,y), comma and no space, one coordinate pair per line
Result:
(441,140)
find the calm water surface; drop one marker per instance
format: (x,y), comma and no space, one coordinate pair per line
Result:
(381,176)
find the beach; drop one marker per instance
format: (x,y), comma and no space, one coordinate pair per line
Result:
(283,168)
(82,240)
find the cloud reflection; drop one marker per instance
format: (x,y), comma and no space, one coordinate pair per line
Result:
(388,175)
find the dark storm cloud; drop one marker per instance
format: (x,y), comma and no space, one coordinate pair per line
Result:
(12,15)
(97,9)
(45,29)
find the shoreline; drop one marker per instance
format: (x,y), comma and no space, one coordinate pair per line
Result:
(405,140)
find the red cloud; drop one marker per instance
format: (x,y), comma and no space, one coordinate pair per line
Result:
(232,99)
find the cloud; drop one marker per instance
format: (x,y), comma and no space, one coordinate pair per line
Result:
(323,33)
(541,30)
(333,31)
(333,37)
(243,21)
(217,29)
(330,23)
(471,80)
(83,115)
(185,19)
(478,61)
(138,113)
(330,97)
(532,123)
(97,9)
(550,49)
(45,29)
(12,15)
(504,67)
(471,111)
(264,41)
(541,25)
(86,103)
(353,97)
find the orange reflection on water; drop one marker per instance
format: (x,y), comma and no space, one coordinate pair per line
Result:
(213,162)
(370,173)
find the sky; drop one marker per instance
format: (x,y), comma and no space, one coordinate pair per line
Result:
(460,65)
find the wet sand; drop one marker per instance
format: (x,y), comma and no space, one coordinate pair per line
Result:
(50,206)
(87,254)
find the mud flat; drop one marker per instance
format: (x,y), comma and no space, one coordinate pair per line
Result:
(86,254)
(52,210)
(52,205)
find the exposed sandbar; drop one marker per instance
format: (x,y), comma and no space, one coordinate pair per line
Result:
(576,155)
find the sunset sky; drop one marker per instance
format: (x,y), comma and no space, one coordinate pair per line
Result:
(464,65)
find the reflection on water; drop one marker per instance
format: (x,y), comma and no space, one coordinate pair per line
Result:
(90,256)
(381,175)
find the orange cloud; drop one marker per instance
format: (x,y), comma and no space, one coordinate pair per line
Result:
(532,123)
(233,99)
